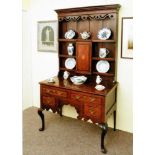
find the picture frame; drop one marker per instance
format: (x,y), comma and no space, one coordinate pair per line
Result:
(47,36)
(127,38)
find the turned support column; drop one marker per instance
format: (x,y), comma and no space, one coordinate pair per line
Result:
(40,113)
(104,128)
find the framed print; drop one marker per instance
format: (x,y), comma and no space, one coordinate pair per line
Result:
(127,38)
(47,35)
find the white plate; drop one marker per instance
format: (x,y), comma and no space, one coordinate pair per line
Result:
(99,87)
(70,63)
(102,66)
(104,34)
(69,34)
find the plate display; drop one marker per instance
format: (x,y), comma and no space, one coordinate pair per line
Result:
(69,34)
(102,66)
(70,63)
(104,34)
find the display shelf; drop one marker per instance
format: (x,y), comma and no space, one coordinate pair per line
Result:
(65,69)
(108,59)
(103,41)
(104,74)
(67,56)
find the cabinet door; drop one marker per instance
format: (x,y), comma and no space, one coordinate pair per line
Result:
(83,51)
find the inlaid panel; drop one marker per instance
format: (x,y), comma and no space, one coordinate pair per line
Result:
(83,51)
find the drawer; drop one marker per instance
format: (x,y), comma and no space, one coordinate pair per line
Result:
(85,98)
(93,111)
(54,91)
(48,101)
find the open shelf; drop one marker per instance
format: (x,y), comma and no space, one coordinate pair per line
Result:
(103,41)
(108,59)
(74,40)
(104,74)
(67,40)
(65,69)
(67,56)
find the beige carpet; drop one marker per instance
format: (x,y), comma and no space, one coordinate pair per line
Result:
(68,136)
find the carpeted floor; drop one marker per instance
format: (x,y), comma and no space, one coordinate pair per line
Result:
(68,136)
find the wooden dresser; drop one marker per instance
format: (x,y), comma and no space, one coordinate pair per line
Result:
(89,103)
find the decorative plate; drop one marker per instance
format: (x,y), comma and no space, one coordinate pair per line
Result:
(70,63)
(102,66)
(69,34)
(104,34)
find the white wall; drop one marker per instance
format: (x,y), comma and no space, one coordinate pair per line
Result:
(45,65)
(27,61)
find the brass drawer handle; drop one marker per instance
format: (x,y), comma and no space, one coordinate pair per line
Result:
(53,91)
(59,93)
(91,111)
(92,99)
(77,97)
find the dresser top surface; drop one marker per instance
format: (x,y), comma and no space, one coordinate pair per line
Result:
(87,87)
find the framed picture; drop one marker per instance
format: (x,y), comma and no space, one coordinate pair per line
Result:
(127,38)
(47,35)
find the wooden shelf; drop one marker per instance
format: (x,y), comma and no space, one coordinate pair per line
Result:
(65,69)
(104,74)
(67,56)
(83,40)
(103,41)
(108,59)
(67,40)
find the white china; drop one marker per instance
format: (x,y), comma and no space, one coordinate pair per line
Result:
(66,75)
(51,80)
(78,80)
(102,66)
(103,52)
(69,34)
(98,79)
(85,35)
(70,49)
(99,87)
(104,34)
(70,63)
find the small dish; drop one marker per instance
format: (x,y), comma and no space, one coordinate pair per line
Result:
(70,63)
(104,34)
(51,80)
(102,66)
(99,87)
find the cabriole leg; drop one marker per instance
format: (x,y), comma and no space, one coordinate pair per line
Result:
(40,113)
(104,131)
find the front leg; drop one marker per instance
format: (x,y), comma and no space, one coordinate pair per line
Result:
(40,113)
(104,131)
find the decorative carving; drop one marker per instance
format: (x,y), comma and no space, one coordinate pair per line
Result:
(69,18)
(100,17)
(85,17)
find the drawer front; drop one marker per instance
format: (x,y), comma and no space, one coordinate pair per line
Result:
(93,111)
(82,97)
(54,91)
(49,101)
